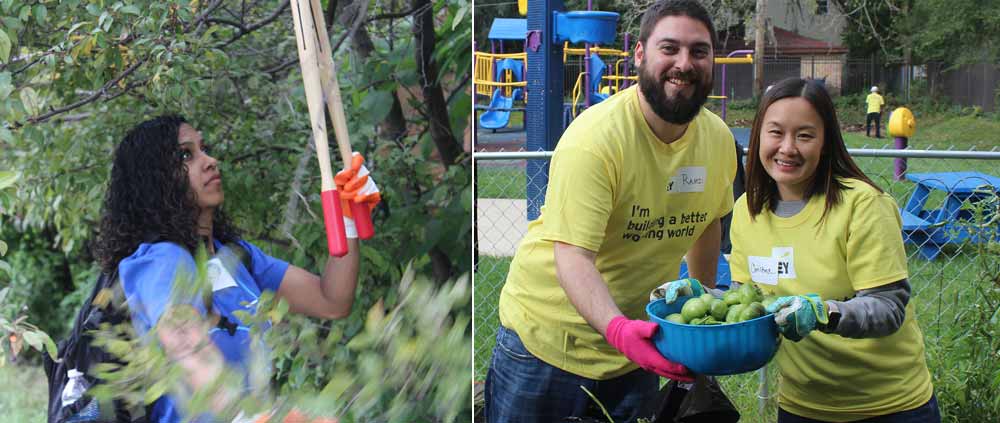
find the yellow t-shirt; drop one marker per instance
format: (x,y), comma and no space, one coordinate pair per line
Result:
(616,189)
(875,103)
(859,246)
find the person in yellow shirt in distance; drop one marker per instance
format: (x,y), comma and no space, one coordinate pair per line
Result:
(636,182)
(815,231)
(875,103)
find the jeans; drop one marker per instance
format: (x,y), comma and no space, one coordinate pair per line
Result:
(521,388)
(873,117)
(927,413)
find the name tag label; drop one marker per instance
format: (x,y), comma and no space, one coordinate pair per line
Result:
(688,179)
(763,269)
(786,261)
(220,277)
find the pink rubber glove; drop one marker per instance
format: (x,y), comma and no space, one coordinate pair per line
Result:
(632,338)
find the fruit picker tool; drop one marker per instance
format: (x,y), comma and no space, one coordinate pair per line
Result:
(320,80)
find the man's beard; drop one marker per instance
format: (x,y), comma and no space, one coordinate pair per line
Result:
(678,110)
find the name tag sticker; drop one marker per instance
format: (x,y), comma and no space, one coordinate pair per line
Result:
(220,277)
(763,269)
(688,179)
(786,261)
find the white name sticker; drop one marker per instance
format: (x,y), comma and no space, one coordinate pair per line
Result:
(688,179)
(220,277)
(786,261)
(763,269)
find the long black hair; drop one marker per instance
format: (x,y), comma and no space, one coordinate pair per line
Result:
(834,161)
(149,197)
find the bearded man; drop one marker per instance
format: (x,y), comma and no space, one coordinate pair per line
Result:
(636,183)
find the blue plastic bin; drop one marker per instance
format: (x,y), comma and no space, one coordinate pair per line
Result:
(715,350)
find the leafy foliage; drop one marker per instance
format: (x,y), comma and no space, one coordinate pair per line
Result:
(971,390)
(935,30)
(76,74)
(16,332)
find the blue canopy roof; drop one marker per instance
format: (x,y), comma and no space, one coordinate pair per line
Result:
(509,29)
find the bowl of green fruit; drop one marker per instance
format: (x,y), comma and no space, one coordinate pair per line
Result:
(716,336)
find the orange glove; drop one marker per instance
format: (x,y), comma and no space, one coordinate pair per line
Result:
(354,184)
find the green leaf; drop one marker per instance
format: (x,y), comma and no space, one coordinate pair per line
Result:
(4,54)
(30,100)
(130,10)
(33,339)
(40,14)
(5,85)
(378,103)
(7,179)
(6,267)
(3,293)
(24,13)
(3,249)
(459,15)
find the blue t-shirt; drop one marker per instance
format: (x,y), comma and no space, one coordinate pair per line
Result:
(148,277)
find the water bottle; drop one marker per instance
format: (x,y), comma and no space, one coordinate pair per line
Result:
(74,388)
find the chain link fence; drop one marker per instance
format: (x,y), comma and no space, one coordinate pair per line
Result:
(942,225)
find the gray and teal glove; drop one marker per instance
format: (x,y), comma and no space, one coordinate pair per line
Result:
(798,315)
(670,291)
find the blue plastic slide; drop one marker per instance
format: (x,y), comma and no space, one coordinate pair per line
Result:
(496,119)
(597,69)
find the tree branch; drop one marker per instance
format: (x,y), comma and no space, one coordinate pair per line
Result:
(103,92)
(396,15)
(448,147)
(359,19)
(458,88)
(244,30)
(201,18)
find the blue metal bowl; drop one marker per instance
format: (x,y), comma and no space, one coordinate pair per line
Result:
(715,350)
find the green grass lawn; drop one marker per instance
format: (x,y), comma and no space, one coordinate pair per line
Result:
(23,394)
(500,181)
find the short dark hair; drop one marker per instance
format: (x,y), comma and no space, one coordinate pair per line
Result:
(834,161)
(664,8)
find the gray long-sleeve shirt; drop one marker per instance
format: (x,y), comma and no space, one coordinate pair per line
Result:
(872,313)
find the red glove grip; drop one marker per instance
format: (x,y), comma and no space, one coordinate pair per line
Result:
(633,338)
(333,218)
(362,220)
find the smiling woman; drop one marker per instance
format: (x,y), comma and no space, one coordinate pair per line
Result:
(815,231)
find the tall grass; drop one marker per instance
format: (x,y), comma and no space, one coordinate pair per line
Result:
(23,394)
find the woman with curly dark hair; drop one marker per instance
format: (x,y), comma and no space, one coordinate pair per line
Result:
(163,203)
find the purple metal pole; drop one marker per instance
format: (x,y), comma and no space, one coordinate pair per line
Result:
(586,65)
(586,70)
(900,161)
(493,47)
(624,83)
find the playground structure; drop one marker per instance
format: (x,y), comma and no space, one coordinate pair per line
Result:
(500,76)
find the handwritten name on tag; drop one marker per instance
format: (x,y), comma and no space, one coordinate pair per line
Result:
(688,179)
(763,269)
